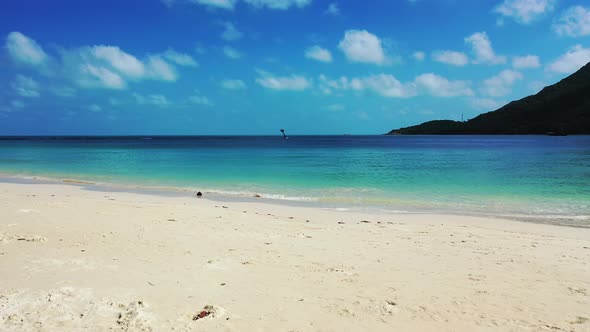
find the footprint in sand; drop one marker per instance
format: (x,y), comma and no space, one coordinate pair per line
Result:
(5,238)
(132,317)
(577,291)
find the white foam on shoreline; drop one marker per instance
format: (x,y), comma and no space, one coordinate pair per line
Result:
(326,199)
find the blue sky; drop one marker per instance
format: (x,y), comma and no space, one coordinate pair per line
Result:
(201,67)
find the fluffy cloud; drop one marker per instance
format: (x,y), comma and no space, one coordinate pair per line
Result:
(288,83)
(343,83)
(152,99)
(527,61)
(230,32)
(198,99)
(112,68)
(124,63)
(231,52)
(318,53)
(224,4)
(363,46)
(92,76)
(270,4)
(419,56)
(181,59)
(229,84)
(25,50)
(100,66)
(572,60)
(439,86)
(388,86)
(451,58)
(278,4)
(25,86)
(525,11)
(574,22)
(501,84)
(482,49)
(159,69)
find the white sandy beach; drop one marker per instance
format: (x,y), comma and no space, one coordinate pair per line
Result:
(74,259)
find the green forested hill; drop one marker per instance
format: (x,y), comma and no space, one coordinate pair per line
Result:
(562,107)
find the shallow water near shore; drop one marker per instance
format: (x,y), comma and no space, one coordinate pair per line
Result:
(538,178)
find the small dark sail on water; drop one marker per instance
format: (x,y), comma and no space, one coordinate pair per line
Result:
(284,135)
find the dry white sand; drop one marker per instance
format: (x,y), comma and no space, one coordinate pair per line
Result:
(73,259)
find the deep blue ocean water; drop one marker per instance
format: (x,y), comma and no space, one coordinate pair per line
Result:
(531,177)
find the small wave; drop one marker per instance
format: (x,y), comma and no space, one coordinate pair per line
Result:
(261,195)
(548,216)
(337,209)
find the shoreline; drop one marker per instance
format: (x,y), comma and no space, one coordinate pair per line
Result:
(577,221)
(76,259)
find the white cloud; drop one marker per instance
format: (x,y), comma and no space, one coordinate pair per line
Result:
(270,4)
(525,11)
(501,84)
(388,86)
(527,61)
(278,4)
(152,99)
(574,22)
(439,86)
(289,83)
(485,104)
(100,66)
(333,9)
(92,76)
(198,99)
(231,52)
(318,53)
(224,4)
(327,85)
(451,58)
(25,50)
(26,86)
(230,84)
(230,32)
(482,49)
(419,56)
(124,63)
(112,68)
(575,58)
(363,46)
(181,59)
(159,69)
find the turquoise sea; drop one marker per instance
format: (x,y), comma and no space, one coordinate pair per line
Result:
(538,178)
